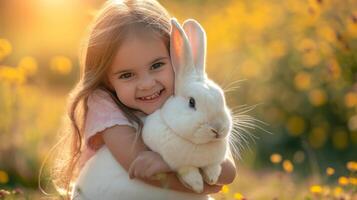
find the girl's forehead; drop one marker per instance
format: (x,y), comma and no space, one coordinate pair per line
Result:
(137,30)
(138,49)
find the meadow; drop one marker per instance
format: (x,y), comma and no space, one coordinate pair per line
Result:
(289,69)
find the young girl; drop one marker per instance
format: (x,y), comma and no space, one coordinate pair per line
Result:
(126,74)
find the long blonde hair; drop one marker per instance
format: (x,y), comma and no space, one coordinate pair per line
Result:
(110,27)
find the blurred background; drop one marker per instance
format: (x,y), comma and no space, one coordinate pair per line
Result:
(288,67)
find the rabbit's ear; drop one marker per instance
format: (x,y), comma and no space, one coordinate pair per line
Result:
(181,55)
(198,42)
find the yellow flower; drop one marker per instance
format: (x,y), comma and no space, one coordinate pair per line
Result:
(5,48)
(330,171)
(225,189)
(28,65)
(238,196)
(326,50)
(278,49)
(316,189)
(351,99)
(327,33)
(352,27)
(288,166)
(61,65)
(311,59)
(296,125)
(314,10)
(307,45)
(334,69)
(302,81)
(275,158)
(4,178)
(352,166)
(343,180)
(11,75)
(352,180)
(317,97)
(337,191)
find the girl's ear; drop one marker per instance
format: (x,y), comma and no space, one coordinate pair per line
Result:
(198,42)
(107,83)
(181,55)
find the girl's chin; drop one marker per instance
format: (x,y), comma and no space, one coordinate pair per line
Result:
(150,110)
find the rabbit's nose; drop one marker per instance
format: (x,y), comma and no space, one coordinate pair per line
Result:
(216,126)
(215,132)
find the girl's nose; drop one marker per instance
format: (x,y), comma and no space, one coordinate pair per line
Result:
(146,83)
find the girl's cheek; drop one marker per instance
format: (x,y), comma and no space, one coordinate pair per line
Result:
(172,81)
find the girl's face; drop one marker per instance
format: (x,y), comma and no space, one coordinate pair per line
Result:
(141,72)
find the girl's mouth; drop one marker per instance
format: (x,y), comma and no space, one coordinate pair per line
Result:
(152,97)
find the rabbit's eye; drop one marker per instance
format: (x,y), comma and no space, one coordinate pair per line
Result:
(192,103)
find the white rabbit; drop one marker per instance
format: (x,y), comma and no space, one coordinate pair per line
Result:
(191,129)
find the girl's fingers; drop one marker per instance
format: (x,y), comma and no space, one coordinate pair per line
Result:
(141,170)
(142,173)
(136,175)
(131,170)
(149,172)
(153,171)
(131,174)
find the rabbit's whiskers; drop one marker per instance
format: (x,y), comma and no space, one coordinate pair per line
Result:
(232,86)
(241,132)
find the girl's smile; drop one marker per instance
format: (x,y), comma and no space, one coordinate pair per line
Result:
(153,97)
(141,73)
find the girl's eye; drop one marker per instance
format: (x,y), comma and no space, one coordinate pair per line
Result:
(157,65)
(125,76)
(192,103)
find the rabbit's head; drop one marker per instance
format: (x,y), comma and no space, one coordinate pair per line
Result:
(197,111)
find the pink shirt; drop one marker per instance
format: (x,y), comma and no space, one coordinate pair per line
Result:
(102,113)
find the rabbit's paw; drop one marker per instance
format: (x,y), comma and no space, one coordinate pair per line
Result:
(191,178)
(211,173)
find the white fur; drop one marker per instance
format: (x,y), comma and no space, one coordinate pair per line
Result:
(181,134)
(103,178)
(175,150)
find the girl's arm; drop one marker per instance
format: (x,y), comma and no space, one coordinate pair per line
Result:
(120,141)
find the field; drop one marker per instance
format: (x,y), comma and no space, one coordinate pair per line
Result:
(288,69)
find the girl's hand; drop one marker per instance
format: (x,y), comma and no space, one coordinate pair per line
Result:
(146,165)
(228,174)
